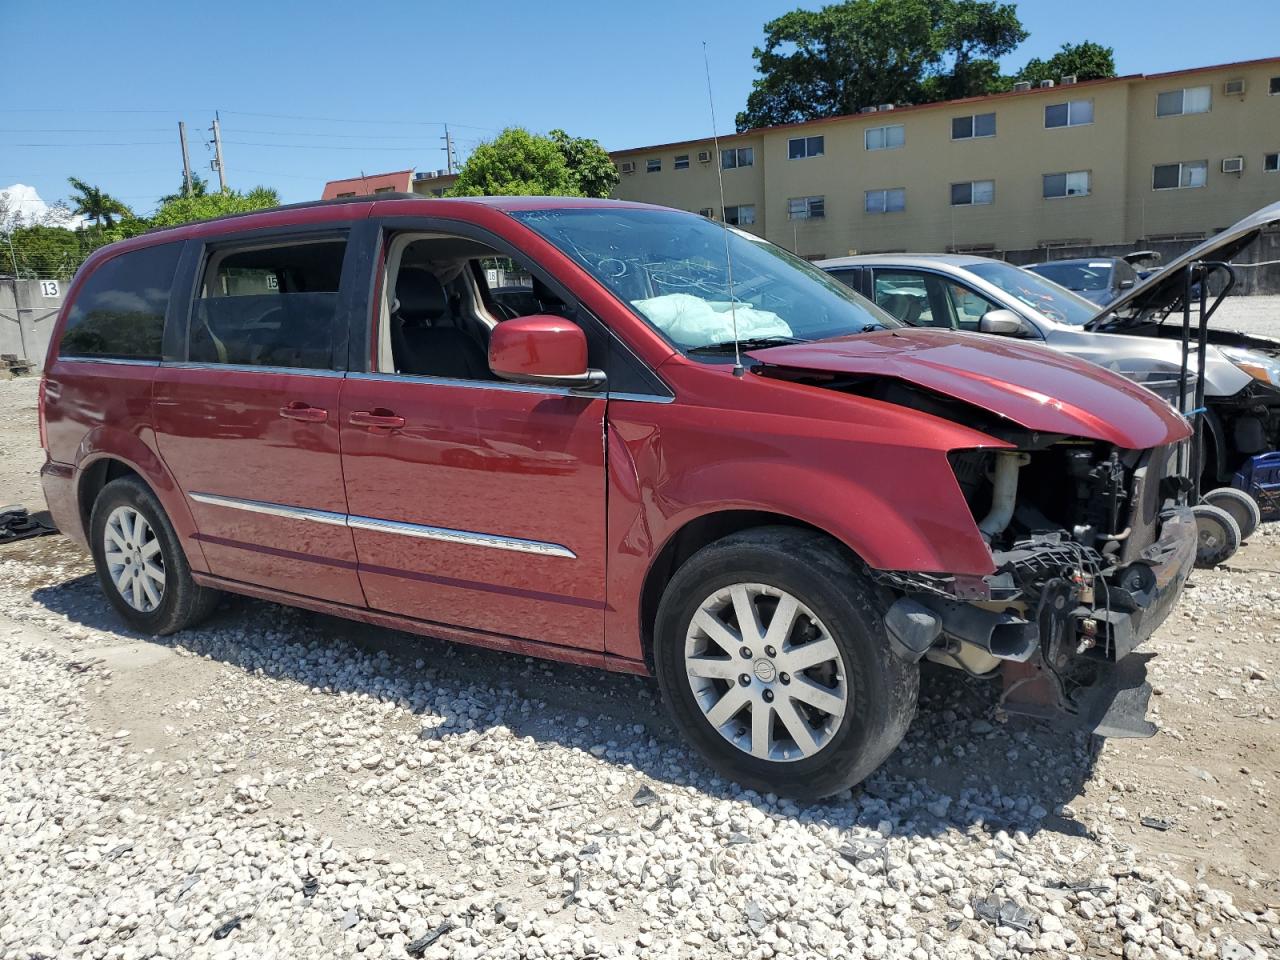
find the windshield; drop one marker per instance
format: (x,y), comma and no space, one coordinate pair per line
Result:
(670,267)
(1055,302)
(1077,274)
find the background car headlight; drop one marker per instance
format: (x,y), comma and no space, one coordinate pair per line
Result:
(1257,365)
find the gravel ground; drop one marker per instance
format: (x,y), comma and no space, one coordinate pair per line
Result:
(1258,315)
(282,784)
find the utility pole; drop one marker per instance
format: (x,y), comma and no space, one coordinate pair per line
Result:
(217,151)
(448,149)
(186,160)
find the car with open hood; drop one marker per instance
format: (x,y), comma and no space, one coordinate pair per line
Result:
(1138,333)
(679,451)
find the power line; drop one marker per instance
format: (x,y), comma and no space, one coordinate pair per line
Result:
(398,122)
(83,130)
(321,146)
(335,136)
(132,143)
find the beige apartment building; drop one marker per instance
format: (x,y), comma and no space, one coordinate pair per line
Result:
(1133,159)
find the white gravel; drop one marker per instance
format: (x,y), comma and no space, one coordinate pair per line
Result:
(279,784)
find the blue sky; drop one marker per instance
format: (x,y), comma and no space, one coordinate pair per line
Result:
(290,77)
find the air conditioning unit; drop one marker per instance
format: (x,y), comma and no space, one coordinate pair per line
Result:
(1046,84)
(1233,88)
(885,106)
(1069,79)
(422,175)
(1022,86)
(627,166)
(866,109)
(704,156)
(1233,164)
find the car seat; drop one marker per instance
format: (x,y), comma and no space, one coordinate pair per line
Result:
(421,343)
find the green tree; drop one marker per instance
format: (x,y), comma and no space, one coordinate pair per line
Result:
(199,188)
(863,52)
(96,204)
(52,252)
(1086,61)
(517,163)
(589,163)
(178,210)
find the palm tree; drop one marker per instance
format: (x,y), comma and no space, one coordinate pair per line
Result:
(96,204)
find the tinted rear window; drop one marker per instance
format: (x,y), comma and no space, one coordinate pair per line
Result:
(119,310)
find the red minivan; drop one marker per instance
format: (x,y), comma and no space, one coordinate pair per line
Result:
(618,435)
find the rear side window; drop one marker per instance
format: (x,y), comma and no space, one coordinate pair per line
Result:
(118,312)
(268,306)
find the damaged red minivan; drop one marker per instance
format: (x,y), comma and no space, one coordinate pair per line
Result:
(523,423)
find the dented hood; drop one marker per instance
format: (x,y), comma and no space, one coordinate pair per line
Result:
(1033,386)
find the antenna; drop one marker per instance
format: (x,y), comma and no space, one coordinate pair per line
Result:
(728,255)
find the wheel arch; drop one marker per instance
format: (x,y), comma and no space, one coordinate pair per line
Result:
(691,537)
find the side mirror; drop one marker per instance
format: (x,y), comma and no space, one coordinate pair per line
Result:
(1126,284)
(542,349)
(1003,323)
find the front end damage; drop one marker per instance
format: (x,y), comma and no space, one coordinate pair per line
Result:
(1090,553)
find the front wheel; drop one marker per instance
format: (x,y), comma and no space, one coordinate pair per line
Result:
(771,653)
(140,563)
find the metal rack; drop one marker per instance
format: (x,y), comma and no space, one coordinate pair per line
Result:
(1199,270)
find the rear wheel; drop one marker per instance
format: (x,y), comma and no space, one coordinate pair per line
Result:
(1218,535)
(1242,507)
(771,652)
(141,566)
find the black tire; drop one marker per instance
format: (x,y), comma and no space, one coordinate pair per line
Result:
(1242,507)
(1218,535)
(820,574)
(183,602)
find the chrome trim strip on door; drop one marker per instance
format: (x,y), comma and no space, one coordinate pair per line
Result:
(272,509)
(72,358)
(509,387)
(461,536)
(445,534)
(250,368)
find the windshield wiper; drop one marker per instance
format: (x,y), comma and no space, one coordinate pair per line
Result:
(746,343)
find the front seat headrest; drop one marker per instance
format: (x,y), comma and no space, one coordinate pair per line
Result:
(420,296)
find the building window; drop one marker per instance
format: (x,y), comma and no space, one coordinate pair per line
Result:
(708,212)
(1075,184)
(1074,113)
(349,193)
(972,193)
(798,148)
(383,189)
(885,201)
(682,162)
(1271,163)
(806,208)
(1175,103)
(973,127)
(743,214)
(1176,176)
(653,166)
(885,138)
(1274,88)
(740,157)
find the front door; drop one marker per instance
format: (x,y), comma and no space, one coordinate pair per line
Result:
(473,502)
(247,418)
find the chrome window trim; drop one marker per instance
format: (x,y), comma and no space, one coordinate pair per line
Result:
(249,368)
(444,534)
(473,384)
(272,509)
(467,537)
(510,387)
(72,358)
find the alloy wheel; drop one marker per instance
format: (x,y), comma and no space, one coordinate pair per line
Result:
(134,560)
(766,672)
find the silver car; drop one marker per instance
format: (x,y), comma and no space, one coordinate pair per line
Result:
(1137,335)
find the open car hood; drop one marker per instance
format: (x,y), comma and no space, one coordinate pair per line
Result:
(1035,387)
(1162,290)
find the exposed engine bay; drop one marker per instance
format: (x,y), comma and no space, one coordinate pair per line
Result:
(1089,549)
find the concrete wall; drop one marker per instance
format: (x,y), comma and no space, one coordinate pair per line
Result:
(27,316)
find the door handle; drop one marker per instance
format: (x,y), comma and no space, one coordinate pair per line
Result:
(297,410)
(376,419)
